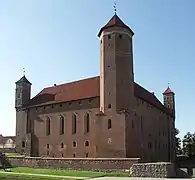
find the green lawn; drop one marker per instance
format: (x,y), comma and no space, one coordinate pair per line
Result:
(68,172)
(22,177)
(13,154)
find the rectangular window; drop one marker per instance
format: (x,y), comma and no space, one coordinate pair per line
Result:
(61,125)
(74,127)
(48,126)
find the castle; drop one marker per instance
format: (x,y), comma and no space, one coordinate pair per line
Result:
(101,117)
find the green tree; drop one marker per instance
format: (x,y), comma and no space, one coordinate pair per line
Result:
(178,142)
(189,144)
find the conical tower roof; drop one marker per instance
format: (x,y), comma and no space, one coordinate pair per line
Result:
(115,21)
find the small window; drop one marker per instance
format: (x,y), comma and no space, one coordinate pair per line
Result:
(109,36)
(74,124)
(120,36)
(86,123)
(62,124)
(23,144)
(47,146)
(62,155)
(80,102)
(52,106)
(70,104)
(150,145)
(74,144)
(74,155)
(86,143)
(109,106)
(90,100)
(48,126)
(62,145)
(109,124)
(60,105)
(86,155)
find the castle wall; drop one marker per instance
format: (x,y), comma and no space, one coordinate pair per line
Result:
(39,116)
(152,129)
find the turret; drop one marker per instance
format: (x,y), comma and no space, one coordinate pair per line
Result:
(169,99)
(23,92)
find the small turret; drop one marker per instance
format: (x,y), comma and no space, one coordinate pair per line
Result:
(23,92)
(169,99)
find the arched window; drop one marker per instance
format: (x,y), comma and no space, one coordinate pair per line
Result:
(109,124)
(74,144)
(74,124)
(62,145)
(62,123)
(48,126)
(86,143)
(86,123)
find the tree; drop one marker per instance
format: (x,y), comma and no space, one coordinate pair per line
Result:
(177,142)
(189,144)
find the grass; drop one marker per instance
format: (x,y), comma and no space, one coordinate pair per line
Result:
(13,154)
(25,177)
(74,173)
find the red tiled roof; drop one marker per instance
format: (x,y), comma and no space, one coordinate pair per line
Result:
(168,91)
(115,21)
(87,88)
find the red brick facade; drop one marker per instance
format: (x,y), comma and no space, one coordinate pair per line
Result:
(103,117)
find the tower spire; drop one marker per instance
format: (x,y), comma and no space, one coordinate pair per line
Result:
(24,71)
(114,7)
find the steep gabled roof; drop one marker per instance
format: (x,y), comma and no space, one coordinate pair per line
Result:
(87,88)
(115,21)
(168,91)
(23,80)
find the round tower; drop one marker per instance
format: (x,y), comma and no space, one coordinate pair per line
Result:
(116,66)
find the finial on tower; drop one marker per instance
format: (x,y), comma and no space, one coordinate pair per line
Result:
(24,71)
(168,84)
(114,7)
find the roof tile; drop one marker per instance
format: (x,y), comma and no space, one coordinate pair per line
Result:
(87,88)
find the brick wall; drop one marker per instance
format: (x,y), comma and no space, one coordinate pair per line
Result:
(101,164)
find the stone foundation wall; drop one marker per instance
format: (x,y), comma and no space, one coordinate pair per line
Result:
(97,164)
(7,150)
(153,170)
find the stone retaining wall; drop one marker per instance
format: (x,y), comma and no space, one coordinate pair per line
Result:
(153,170)
(100,164)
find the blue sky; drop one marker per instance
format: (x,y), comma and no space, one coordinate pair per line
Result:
(56,41)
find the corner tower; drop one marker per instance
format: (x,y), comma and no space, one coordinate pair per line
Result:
(169,99)
(22,97)
(116,66)
(23,92)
